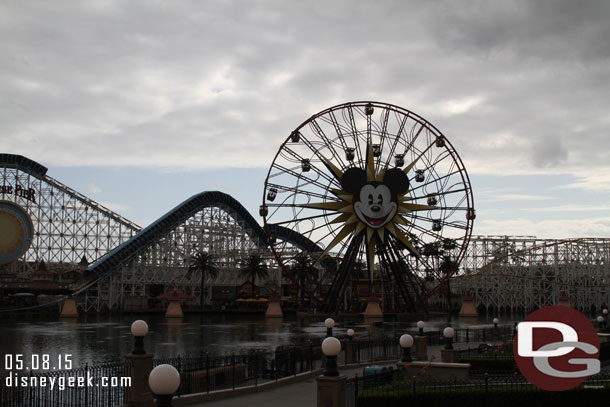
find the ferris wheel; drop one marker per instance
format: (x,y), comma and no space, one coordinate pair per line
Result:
(379,191)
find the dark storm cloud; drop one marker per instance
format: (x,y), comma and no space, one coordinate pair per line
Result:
(209,84)
(549,151)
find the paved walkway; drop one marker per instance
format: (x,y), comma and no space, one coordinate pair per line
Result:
(297,394)
(300,393)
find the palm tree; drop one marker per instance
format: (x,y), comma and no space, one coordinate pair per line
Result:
(205,264)
(304,270)
(254,268)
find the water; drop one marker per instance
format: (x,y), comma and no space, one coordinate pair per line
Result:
(98,339)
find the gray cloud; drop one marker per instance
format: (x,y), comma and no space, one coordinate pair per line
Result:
(548,151)
(212,84)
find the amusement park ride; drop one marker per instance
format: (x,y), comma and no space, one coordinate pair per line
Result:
(373,184)
(371,195)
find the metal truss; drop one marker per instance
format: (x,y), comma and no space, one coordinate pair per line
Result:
(214,230)
(524,273)
(68,227)
(117,257)
(506,273)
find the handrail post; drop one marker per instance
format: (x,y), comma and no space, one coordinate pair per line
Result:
(207,375)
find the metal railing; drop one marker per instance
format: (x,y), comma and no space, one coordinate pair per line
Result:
(394,384)
(208,373)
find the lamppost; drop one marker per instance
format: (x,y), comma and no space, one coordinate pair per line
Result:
(420,325)
(164,380)
(449,333)
(329,324)
(406,341)
(421,342)
(331,348)
(139,329)
(141,364)
(495,332)
(350,334)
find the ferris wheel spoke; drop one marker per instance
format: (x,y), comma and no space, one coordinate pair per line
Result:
(288,222)
(435,180)
(279,189)
(354,132)
(397,140)
(424,231)
(439,158)
(345,268)
(410,147)
(400,270)
(328,143)
(338,130)
(442,222)
(444,193)
(299,176)
(311,166)
(383,135)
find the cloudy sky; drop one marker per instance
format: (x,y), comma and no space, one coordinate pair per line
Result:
(141,104)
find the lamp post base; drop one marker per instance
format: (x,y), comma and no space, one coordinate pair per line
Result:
(139,394)
(164,400)
(331,391)
(448,355)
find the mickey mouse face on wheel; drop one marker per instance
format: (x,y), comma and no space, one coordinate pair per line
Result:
(375,203)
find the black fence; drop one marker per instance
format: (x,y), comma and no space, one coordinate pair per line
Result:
(469,335)
(370,351)
(94,386)
(394,388)
(207,373)
(105,385)
(203,374)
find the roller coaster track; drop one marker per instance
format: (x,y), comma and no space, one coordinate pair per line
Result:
(537,275)
(137,245)
(113,261)
(39,171)
(486,270)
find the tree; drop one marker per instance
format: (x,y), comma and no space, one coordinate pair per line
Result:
(304,270)
(254,268)
(205,264)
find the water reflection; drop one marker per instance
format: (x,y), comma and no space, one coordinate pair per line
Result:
(100,338)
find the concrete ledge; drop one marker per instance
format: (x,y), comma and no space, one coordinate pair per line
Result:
(438,370)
